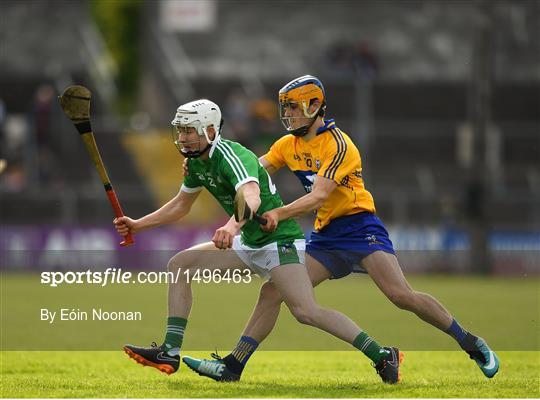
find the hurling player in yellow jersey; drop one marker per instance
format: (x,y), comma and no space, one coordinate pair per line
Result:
(347,236)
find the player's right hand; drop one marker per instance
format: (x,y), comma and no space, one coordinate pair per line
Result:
(272,221)
(124,225)
(185,166)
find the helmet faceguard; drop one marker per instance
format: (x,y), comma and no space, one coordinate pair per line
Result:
(176,130)
(301,92)
(198,114)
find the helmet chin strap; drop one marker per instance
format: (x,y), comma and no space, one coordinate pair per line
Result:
(303,130)
(195,153)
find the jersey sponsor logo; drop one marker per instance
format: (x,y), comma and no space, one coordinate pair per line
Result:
(225,199)
(307,178)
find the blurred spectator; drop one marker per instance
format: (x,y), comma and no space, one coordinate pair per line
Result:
(338,56)
(364,61)
(15,136)
(14,178)
(357,58)
(3,143)
(237,116)
(42,111)
(14,146)
(266,125)
(48,171)
(2,113)
(254,123)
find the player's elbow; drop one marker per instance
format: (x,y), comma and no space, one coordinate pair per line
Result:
(252,195)
(254,203)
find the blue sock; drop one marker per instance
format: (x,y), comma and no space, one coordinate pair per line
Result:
(244,349)
(457,332)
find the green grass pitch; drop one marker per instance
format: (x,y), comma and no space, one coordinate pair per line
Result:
(269,374)
(503,310)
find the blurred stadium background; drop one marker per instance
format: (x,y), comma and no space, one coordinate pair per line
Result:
(441,97)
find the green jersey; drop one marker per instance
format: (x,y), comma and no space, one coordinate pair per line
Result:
(229,166)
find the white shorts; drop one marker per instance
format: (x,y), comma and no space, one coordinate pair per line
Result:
(262,260)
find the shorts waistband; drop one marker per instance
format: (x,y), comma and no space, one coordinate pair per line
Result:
(345,220)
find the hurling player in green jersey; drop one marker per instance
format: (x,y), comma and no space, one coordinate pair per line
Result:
(224,168)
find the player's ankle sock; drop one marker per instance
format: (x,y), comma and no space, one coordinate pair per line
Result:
(237,360)
(367,345)
(469,345)
(233,364)
(175,334)
(457,332)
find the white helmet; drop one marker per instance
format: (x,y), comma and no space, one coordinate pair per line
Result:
(199,114)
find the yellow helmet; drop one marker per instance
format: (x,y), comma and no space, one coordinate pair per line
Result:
(302,91)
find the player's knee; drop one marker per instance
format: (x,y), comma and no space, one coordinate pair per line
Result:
(179,260)
(269,294)
(305,315)
(172,265)
(403,299)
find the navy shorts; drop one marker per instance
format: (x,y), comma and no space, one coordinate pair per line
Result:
(341,245)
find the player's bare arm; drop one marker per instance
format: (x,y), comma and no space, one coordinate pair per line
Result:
(175,209)
(268,166)
(322,188)
(252,195)
(224,236)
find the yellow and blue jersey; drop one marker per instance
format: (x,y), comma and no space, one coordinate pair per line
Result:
(332,155)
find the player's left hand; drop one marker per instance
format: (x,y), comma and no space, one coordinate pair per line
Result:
(272,219)
(224,236)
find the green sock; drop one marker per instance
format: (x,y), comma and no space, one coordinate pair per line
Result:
(367,345)
(175,332)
